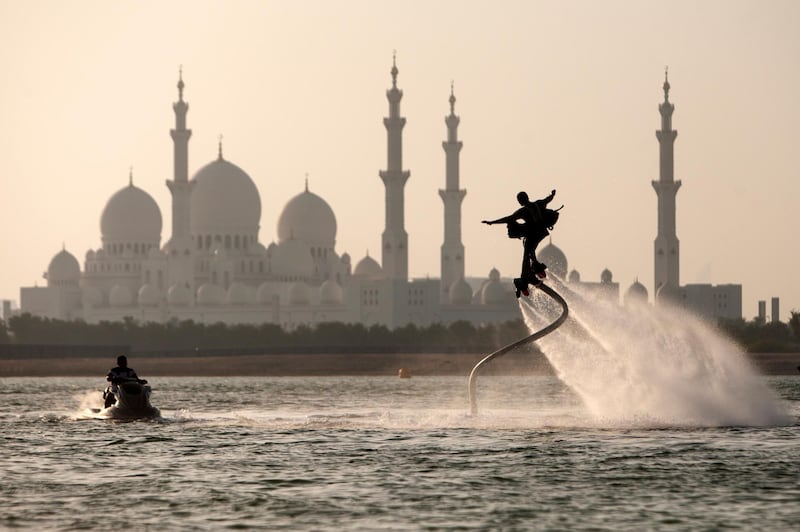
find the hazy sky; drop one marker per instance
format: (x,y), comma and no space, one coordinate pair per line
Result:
(551,95)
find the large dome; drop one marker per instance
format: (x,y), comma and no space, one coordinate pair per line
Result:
(63,269)
(131,215)
(224,200)
(554,258)
(309,218)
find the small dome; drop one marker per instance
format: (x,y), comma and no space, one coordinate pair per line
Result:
(120,296)
(460,293)
(307,217)
(238,294)
(293,259)
(494,274)
(369,268)
(493,293)
(178,295)
(636,293)
(264,294)
(210,294)
(148,295)
(605,276)
(92,296)
(63,269)
(299,293)
(90,255)
(555,260)
(574,276)
(131,215)
(224,200)
(330,293)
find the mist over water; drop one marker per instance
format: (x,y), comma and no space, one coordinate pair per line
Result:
(651,366)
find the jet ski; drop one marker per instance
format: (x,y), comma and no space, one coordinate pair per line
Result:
(131,400)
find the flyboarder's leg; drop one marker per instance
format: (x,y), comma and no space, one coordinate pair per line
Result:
(521,287)
(521,283)
(539,269)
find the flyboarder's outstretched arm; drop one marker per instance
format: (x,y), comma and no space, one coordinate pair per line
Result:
(518,214)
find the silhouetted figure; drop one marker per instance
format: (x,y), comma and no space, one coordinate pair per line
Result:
(116,375)
(532,229)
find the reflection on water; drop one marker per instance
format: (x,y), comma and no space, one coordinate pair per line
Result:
(381,453)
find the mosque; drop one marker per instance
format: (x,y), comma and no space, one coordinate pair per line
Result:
(214,269)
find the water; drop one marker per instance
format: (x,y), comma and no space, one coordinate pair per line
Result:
(382,453)
(654,422)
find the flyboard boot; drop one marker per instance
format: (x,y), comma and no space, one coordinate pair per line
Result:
(521,285)
(539,270)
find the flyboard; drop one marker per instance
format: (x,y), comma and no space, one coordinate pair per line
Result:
(473,400)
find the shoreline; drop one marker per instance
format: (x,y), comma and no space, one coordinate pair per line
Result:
(278,365)
(320,364)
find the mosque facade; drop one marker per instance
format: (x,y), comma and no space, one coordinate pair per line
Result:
(214,268)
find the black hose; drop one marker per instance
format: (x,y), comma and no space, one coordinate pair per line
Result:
(473,400)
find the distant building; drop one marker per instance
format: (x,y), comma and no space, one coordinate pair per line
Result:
(213,268)
(720,301)
(724,301)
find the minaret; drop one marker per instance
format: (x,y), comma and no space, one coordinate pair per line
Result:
(180,187)
(180,246)
(666,244)
(395,239)
(452,196)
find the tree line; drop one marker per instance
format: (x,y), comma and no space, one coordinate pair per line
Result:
(457,337)
(758,336)
(187,335)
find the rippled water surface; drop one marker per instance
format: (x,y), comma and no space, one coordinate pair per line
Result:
(383,453)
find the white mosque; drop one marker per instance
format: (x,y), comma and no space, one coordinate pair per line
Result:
(215,269)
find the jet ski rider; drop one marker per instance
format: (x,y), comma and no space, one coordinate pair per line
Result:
(115,375)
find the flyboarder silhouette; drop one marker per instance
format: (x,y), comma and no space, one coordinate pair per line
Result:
(531,222)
